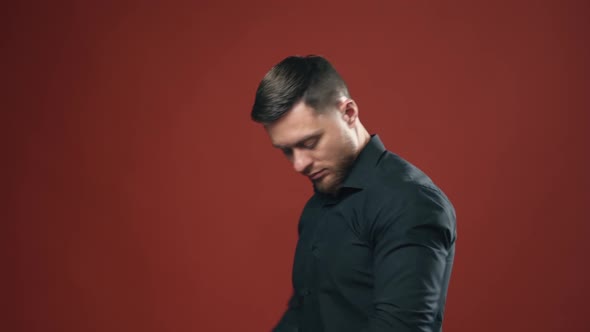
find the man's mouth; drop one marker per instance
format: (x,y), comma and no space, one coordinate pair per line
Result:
(317,175)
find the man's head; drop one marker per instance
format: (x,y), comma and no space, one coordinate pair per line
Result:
(306,109)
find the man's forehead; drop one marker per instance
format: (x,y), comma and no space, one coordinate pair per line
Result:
(300,122)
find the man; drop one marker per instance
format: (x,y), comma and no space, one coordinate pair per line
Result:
(377,238)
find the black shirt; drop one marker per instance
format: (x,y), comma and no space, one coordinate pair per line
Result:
(376,257)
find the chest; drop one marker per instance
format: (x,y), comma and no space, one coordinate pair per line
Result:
(334,249)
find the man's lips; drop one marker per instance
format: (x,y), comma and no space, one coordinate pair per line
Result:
(317,175)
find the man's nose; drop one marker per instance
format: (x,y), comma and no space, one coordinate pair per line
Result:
(301,161)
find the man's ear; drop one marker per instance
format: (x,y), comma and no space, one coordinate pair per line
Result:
(349,111)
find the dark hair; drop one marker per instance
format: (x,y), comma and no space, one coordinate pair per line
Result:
(309,78)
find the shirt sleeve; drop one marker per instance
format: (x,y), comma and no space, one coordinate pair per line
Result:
(413,256)
(289,320)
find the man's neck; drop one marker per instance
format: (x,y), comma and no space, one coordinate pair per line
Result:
(363,138)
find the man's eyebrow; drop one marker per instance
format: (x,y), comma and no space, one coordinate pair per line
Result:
(301,141)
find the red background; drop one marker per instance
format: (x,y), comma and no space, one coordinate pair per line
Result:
(140,197)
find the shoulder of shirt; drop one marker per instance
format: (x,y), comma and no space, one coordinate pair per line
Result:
(395,178)
(397,188)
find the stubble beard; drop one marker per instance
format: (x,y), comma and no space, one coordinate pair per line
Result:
(338,174)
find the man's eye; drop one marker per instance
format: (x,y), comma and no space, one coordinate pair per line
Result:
(287,152)
(310,144)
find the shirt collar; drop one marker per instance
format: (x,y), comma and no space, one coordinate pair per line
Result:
(360,170)
(364,164)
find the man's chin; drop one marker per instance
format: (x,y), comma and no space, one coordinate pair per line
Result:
(324,188)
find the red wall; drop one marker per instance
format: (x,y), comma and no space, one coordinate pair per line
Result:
(140,197)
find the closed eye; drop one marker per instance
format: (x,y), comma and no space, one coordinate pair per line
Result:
(310,143)
(287,152)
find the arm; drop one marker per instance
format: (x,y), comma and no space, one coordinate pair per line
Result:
(288,322)
(413,255)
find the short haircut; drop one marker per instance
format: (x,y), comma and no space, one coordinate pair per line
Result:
(311,79)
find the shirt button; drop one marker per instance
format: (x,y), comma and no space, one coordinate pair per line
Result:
(304,291)
(315,250)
